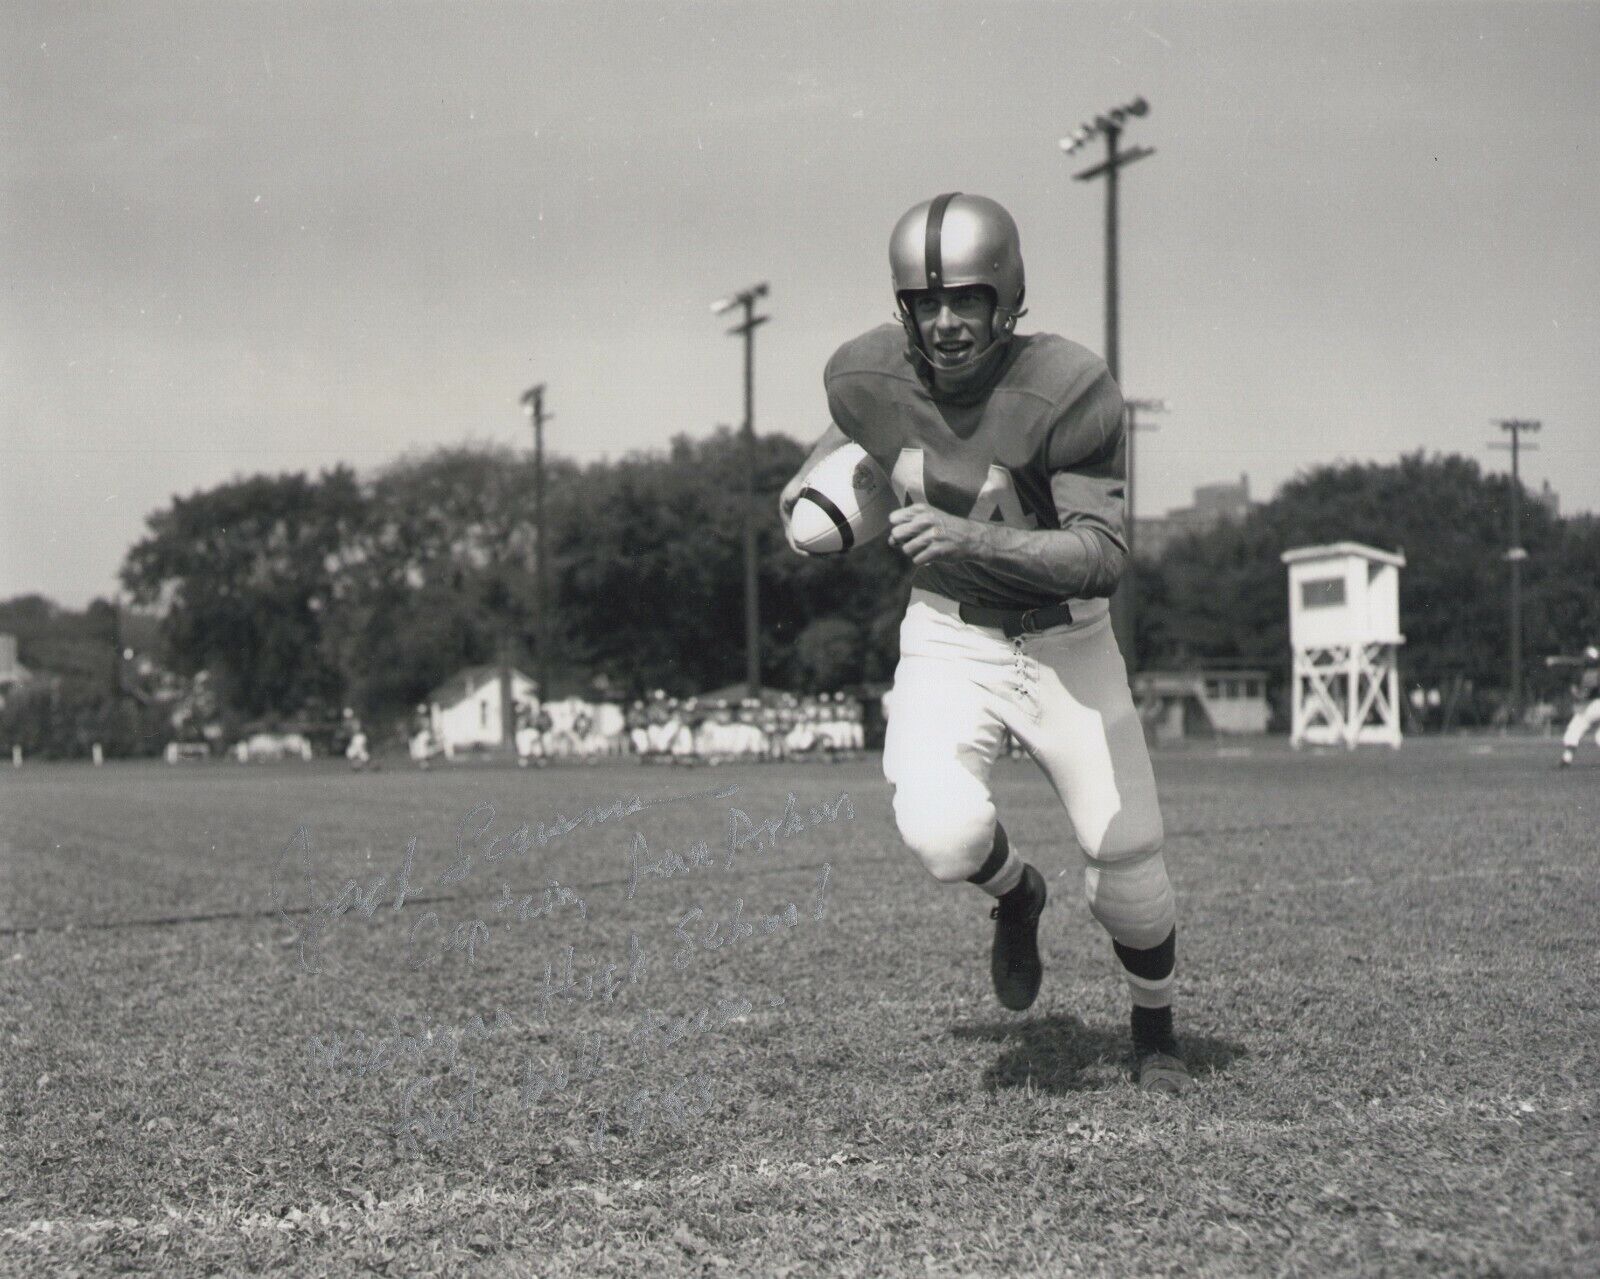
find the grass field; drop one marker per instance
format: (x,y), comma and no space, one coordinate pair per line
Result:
(1389,992)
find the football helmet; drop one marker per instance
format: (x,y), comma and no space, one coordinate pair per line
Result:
(954,240)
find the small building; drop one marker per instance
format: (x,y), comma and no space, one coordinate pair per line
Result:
(464,711)
(13,674)
(1344,629)
(1220,503)
(1237,700)
(1174,705)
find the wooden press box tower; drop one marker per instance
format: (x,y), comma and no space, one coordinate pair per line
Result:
(1344,627)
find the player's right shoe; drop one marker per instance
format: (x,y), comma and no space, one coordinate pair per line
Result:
(1158,1064)
(1014,962)
(1161,1070)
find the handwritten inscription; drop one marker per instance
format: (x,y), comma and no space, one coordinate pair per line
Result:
(725,930)
(743,834)
(656,1031)
(519,841)
(297,863)
(437,1044)
(445,1098)
(429,941)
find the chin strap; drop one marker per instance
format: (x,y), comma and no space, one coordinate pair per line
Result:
(914,341)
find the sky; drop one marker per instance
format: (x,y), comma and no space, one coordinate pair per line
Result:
(242,238)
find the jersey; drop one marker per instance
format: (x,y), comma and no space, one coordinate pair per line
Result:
(1041,446)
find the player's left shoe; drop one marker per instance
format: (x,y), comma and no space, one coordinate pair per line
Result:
(1014,962)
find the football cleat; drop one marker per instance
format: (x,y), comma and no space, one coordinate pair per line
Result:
(1161,1072)
(1014,962)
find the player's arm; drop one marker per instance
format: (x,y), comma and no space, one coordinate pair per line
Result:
(1084,557)
(1082,561)
(830,440)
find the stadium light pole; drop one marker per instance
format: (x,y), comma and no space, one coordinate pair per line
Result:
(1109,126)
(533,406)
(746,298)
(1516,553)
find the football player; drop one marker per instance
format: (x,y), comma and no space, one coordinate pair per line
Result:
(529,744)
(1006,453)
(423,745)
(356,752)
(1585,709)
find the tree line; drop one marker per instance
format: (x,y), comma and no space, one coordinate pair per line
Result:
(295,591)
(1222,597)
(298,595)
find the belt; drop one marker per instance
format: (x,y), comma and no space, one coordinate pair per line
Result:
(1017,621)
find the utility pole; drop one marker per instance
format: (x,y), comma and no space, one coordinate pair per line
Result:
(752,604)
(1516,554)
(1134,408)
(533,406)
(1110,126)
(116,650)
(1127,596)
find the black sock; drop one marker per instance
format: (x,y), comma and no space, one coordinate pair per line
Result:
(996,861)
(1153,964)
(1152,1028)
(1019,892)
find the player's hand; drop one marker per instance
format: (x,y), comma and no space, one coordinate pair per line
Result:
(791,494)
(786,500)
(927,535)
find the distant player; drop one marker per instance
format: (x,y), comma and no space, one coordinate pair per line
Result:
(637,724)
(526,738)
(584,741)
(1007,456)
(356,752)
(422,745)
(1586,707)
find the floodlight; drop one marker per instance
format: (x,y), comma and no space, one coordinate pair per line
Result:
(742,298)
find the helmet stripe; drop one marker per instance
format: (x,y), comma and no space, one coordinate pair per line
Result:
(933,257)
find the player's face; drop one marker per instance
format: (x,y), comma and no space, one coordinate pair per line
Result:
(955,326)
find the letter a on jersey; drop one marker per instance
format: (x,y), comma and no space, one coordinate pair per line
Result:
(997,501)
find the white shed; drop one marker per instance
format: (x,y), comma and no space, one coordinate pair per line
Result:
(464,711)
(1344,629)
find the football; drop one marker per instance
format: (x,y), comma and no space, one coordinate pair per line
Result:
(845,503)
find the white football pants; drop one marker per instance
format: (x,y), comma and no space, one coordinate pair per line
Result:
(1064,695)
(1585,718)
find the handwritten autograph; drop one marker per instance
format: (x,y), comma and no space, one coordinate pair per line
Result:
(298,860)
(428,1110)
(743,833)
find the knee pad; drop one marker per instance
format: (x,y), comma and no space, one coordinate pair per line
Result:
(946,817)
(1132,899)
